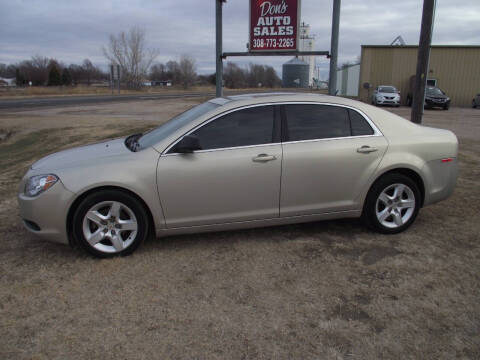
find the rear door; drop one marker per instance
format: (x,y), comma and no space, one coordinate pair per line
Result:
(329,153)
(235,177)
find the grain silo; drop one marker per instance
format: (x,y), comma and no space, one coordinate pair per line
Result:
(295,73)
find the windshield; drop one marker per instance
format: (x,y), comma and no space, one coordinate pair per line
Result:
(387,89)
(154,136)
(434,91)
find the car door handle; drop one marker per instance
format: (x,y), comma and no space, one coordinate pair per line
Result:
(263,158)
(365,149)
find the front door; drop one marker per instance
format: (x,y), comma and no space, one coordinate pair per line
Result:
(234,177)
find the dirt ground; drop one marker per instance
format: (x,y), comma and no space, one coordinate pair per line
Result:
(325,290)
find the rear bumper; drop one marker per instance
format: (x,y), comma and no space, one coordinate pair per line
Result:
(45,215)
(441,178)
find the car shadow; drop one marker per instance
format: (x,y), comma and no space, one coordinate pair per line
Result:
(342,230)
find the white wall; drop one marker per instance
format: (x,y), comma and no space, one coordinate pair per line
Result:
(353,79)
(347,80)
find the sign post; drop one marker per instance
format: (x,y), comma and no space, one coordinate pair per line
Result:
(332,78)
(218,53)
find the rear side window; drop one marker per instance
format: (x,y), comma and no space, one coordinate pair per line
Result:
(252,126)
(309,122)
(359,125)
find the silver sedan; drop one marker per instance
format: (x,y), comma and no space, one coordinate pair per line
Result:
(241,162)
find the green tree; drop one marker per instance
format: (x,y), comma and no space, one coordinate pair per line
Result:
(54,78)
(66,77)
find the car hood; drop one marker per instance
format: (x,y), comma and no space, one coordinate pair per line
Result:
(94,152)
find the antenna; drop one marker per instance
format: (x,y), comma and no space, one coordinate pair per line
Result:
(398,41)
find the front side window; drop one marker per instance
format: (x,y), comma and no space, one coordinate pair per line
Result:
(309,122)
(251,126)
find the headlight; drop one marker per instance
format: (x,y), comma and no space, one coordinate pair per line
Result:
(38,184)
(380,97)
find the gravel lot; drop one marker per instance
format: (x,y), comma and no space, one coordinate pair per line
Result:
(325,290)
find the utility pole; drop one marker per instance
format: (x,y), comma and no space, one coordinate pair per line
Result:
(332,82)
(422,61)
(219,62)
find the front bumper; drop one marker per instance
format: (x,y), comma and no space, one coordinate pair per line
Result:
(435,103)
(385,101)
(45,215)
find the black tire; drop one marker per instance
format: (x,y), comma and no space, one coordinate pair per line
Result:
(474,104)
(369,216)
(446,107)
(138,209)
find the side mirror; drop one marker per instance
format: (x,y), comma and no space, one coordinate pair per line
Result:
(188,144)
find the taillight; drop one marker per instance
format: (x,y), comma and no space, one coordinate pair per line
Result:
(447,160)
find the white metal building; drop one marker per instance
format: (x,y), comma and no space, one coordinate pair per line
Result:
(347,80)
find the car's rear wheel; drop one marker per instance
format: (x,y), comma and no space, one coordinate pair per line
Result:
(109,223)
(392,204)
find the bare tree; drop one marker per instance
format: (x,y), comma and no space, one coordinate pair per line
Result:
(130,52)
(35,70)
(188,74)
(173,69)
(253,76)
(158,72)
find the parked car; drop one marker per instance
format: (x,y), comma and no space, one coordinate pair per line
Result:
(241,162)
(386,95)
(476,101)
(435,97)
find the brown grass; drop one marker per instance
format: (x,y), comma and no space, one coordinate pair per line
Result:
(325,290)
(34,91)
(83,90)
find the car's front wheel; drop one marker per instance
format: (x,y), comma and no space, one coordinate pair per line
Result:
(474,104)
(110,222)
(392,204)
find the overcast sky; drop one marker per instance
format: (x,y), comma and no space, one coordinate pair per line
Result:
(71,30)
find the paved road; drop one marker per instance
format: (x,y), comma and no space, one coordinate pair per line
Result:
(24,103)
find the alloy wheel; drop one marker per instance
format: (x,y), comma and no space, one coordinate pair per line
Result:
(395,205)
(110,226)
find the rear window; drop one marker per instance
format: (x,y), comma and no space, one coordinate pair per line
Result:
(359,125)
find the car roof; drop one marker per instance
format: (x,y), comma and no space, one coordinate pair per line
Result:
(280,97)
